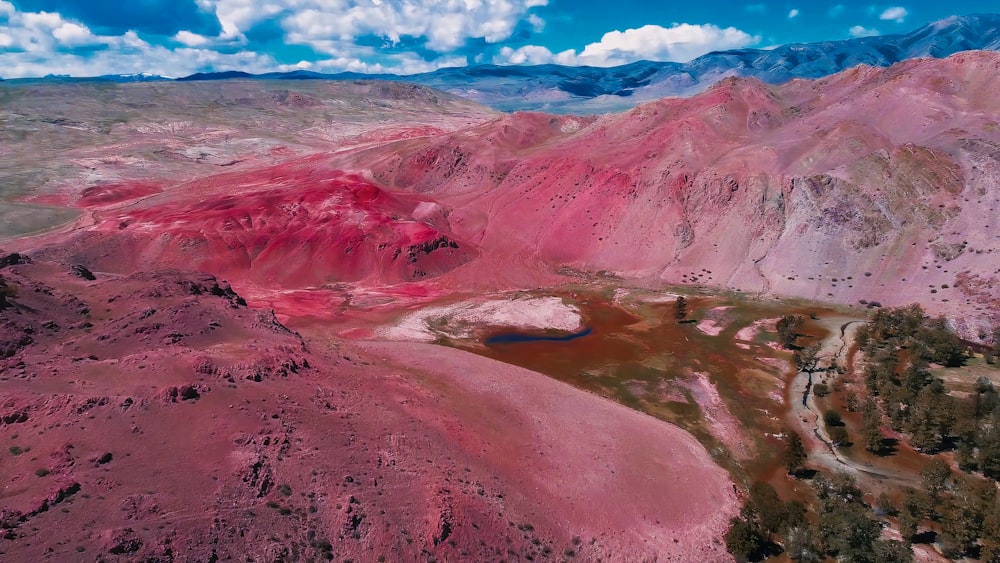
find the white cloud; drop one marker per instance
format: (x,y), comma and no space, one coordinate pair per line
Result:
(537,23)
(896,13)
(35,45)
(860,31)
(400,64)
(41,20)
(529,54)
(793,13)
(190,39)
(679,43)
(72,34)
(39,32)
(329,25)
(37,41)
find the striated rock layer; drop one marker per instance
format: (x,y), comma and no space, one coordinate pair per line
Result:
(873,184)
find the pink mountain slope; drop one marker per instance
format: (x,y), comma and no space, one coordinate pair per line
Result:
(874,184)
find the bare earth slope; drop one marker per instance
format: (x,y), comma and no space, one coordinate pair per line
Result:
(873,184)
(876,184)
(156,417)
(100,144)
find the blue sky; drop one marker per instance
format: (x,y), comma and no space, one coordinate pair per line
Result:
(180,37)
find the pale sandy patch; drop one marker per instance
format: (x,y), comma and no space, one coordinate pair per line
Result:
(748,333)
(461,320)
(660,298)
(714,321)
(621,294)
(710,327)
(721,423)
(780,364)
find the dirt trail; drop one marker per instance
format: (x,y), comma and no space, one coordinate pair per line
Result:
(805,415)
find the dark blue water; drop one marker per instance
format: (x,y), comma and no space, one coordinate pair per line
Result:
(516,337)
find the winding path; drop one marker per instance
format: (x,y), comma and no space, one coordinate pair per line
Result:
(805,415)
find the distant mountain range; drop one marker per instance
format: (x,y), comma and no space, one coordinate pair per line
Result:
(568,89)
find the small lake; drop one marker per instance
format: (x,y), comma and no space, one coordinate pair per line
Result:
(518,337)
(636,353)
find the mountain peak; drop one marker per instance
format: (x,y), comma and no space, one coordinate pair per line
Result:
(582,90)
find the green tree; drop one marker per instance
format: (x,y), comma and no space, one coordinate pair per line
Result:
(772,514)
(744,539)
(680,308)
(989,447)
(994,351)
(832,418)
(990,538)
(885,505)
(909,525)
(916,503)
(788,330)
(935,476)
(795,453)
(965,510)
(800,545)
(847,532)
(871,427)
(807,358)
(839,435)
(891,551)
(941,344)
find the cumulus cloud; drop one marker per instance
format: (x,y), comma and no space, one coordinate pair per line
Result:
(679,43)
(43,43)
(39,32)
(327,25)
(793,13)
(537,23)
(861,31)
(72,34)
(896,13)
(191,39)
(421,36)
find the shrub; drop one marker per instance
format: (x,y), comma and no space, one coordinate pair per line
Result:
(7,291)
(832,418)
(788,329)
(744,540)
(838,435)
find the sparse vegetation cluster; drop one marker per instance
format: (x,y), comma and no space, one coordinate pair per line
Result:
(956,510)
(961,508)
(900,345)
(843,527)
